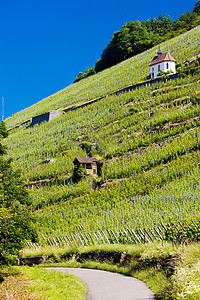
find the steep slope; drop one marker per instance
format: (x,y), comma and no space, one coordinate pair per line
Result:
(147,139)
(124,74)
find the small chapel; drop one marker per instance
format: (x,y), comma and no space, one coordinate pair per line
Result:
(162,62)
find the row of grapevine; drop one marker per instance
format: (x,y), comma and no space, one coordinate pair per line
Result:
(58,141)
(129,72)
(177,232)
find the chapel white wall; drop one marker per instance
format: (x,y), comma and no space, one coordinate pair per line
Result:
(163,67)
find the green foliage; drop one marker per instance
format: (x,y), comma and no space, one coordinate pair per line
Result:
(3,130)
(147,77)
(133,110)
(2,149)
(162,73)
(16,224)
(88,72)
(196,8)
(97,181)
(3,134)
(1,277)
(132,39)
(184,230)
(79,173)
(87,147)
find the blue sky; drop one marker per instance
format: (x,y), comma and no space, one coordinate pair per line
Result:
(45,44)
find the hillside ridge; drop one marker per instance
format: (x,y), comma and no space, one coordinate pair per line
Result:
(126,73)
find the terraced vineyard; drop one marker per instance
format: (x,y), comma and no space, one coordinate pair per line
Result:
(129,72)
(147,139)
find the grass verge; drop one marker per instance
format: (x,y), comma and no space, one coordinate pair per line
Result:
(38,283)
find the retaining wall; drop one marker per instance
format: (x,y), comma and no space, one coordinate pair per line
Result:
(51,115)
(45,117)
(126,89)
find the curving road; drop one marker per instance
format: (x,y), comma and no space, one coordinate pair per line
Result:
(103,285)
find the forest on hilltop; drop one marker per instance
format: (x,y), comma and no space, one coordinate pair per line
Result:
(136,37)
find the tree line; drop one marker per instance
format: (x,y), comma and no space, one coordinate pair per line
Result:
(16,221)
(136,37)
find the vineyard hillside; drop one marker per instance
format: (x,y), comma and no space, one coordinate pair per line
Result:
(129,72)
(147,141)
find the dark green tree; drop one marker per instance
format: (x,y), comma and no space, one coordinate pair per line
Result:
(132,39)
(87,146)
(196,8)
(16,222)
(88,72)
(3,130)
(79,173)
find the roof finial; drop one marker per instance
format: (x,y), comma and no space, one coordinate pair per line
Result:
(159,50)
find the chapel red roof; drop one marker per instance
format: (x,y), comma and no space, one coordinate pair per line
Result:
(162,57)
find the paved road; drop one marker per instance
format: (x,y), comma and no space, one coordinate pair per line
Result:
(103,285)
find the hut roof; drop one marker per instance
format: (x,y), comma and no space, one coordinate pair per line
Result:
(85,160)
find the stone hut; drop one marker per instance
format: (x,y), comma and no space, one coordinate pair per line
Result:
(89,163)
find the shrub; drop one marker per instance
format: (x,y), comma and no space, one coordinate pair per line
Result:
(79,173)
